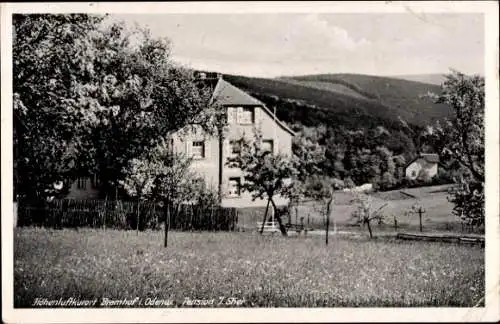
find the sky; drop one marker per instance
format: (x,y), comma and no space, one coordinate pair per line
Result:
(277,44)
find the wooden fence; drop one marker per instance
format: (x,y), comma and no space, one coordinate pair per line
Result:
(123,215)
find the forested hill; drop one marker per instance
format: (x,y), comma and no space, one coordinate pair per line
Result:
(355,100)
(369,126)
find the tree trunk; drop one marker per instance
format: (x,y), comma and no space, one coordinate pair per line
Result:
(265,217)
(221,163)
(328,210)
(369,228)
(420,218)
(138,216)
(167,223)
(278,218)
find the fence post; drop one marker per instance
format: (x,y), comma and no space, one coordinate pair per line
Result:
(236,222)
(420,211)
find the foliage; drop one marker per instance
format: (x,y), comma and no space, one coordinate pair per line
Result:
(203,194)
(309,154)
(462,139)
(468,200)
(423,176)
(52,55)
(91,94)
(266,173)
(465,131)
(174,180)
(355,273)
(139,178)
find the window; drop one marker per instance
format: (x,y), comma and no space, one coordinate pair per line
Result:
(414,173)
(235,147)
(198,149)
(234,187)
(231,115)
(246,116)
(268,145)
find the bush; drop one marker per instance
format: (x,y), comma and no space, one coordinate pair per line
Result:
(468,198)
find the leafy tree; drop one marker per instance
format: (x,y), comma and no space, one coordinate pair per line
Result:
(139,181)
(266,174)
(465,131)
(424,176)
(348,183)
(152,98)
(90,95)
(462,139)
(309,154)
(51,56)
(387,181)
(173,185)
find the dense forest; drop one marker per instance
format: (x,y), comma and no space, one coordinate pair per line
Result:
(369,127)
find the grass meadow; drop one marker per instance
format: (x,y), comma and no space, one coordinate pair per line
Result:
(438,215)
(260,271)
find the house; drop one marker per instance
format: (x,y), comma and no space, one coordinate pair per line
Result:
(244,114)
(422,163)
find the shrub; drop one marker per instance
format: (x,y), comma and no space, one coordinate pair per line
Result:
(468,198)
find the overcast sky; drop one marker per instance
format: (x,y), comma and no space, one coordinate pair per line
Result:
(270,45)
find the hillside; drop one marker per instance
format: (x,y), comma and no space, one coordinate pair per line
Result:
(347,102)
(405,99)
(436,79)
(311,105)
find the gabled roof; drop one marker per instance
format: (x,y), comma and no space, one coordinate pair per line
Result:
(428,157)
(227,94)
(431,158)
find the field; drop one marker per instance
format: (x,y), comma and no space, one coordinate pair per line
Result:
(257,271)
(438,215)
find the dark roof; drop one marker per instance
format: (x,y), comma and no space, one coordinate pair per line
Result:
(431,158)
(428,157)
(227,94)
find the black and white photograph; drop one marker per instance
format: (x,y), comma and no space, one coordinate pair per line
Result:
(250,162)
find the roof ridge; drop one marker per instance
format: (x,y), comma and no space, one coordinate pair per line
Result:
(235,94)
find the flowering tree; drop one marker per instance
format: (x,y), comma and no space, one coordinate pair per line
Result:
(162,176)
(266,174)
(462,139)
(91,94)
(51,56)
(139,180)
(366,211)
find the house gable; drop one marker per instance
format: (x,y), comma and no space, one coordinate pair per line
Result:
(427,157)
(228,95)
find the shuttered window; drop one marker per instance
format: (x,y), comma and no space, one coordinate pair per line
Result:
(198,150)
